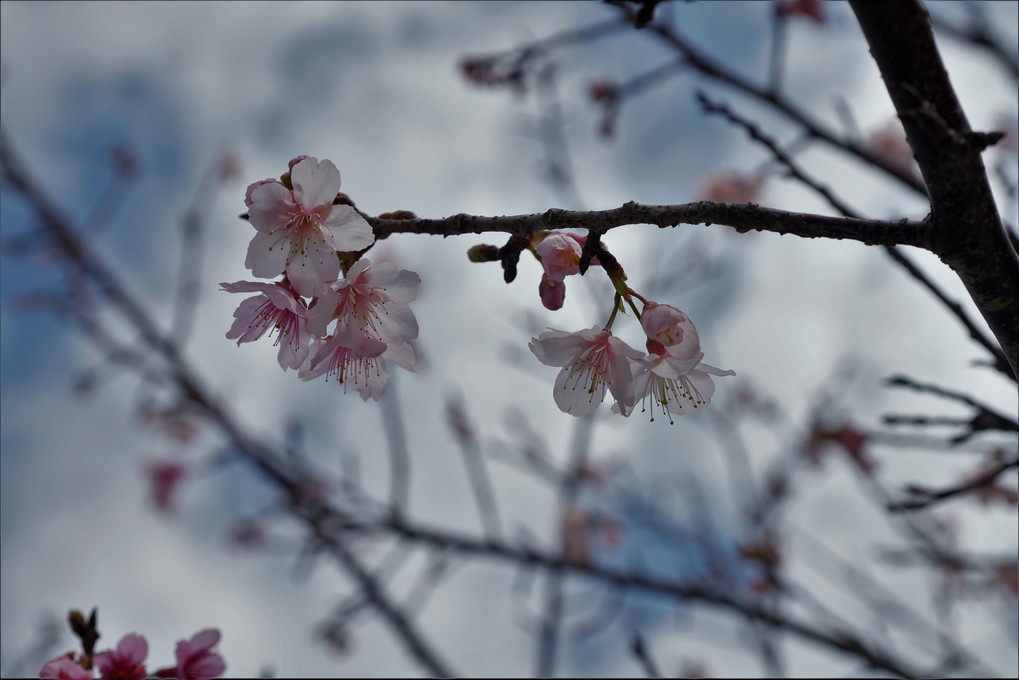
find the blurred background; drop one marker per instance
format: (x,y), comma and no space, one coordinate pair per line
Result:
(204,98)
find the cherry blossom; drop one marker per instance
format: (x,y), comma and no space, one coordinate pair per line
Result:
(278,307)
(195,658)
(812,9)
(357,360)
(889,144)
(64,667)
(299,228)
(371,299)
(672,328)
(679,385)
(593,361)
(560,255)
(732,188)
(165,477)
(127,662)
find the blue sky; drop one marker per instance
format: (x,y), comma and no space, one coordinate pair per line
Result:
(375,88)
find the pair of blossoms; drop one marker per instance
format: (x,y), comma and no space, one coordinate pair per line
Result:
(595,362)
(304,235)
(196,660)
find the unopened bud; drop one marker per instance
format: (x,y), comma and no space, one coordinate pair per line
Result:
(482,253)
(552,293)
(398,215)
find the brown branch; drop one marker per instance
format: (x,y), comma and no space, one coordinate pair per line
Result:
(967,229)
(263,458)
(1000,362)
(710,68)
(978,33)
(742,217)
(931,497)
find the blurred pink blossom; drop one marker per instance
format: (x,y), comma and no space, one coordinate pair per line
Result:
(165,477)
(127,662)
(64,667)
(812,9)
(732,188)
(195,658)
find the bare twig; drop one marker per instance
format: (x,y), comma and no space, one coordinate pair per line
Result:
(931,497)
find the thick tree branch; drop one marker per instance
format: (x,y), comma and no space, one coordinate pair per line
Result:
(742,217)
(967,230)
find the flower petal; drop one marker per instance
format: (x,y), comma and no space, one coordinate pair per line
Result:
(272,207)
(346,230)
(311,263)
(315,183)
(267,254)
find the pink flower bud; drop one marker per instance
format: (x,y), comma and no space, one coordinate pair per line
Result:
(560,255)
(672,328)
(551,292)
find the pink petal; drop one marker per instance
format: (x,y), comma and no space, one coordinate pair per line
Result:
(315,183)
(346,230)
(577,399)
(133,647)
(272,207)
(267,254)
(311,264)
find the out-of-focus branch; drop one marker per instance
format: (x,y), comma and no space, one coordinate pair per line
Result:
(569,489)
(978,33)
(263,458)
(931,497)
(643,656)
(1000,361)
(985,418)
(712,69)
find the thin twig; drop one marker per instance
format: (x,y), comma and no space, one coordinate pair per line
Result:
(931,497)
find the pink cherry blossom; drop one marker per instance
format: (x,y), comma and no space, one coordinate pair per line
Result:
(300,230)
(889,144)
(195,658)
(679,385)
(127,662)
(812,9)
(278,308)
(373,299)
(560,255)
(353,359)
(593,361)
(732,188)
(672,328)
(64,667)
(165,477)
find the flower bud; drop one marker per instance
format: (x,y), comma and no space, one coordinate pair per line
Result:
(398,215)
(551,292)
(483,253)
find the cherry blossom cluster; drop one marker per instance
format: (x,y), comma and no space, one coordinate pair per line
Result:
(196,660)
(594,361)
(341,326)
